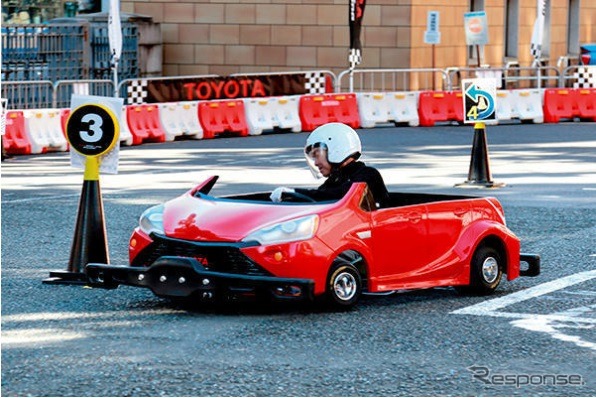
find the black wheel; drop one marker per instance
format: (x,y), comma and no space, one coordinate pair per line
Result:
(344,286)
(486,270)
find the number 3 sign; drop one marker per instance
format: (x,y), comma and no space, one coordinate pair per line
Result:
(92,130)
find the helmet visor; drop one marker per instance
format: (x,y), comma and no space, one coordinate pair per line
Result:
(313,153)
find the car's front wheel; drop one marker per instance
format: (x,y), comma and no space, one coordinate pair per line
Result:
(344,286)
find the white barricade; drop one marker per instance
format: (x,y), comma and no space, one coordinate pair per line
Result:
(125,134)
(44,130)
(525,105)
(268,113)
(505,105)
(529,105)
(189,119)
(395,107)
(169,116)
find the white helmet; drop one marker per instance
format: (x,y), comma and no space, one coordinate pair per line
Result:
(340,141)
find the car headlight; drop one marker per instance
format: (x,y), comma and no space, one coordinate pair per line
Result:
(288,231)
(152,220)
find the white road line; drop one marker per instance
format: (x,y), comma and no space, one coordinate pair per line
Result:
(491,306)
(550,324)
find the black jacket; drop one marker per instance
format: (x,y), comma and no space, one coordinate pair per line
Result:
(340,181)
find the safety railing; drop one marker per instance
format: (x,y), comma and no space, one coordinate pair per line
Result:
(33,94)
(579,76)
(511,77)
(371,80)
(64,89)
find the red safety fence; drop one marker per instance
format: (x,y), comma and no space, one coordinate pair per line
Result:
(440,106)
(15,138)
(144,124)
(218,117)
(316,110)
(563,103)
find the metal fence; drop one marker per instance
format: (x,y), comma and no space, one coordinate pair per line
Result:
(371,80)
(28,94)
(47,94)
(36,57)
(64,89)
(511,77)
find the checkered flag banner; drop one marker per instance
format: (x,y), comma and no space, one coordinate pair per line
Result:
(314,83)
(538,32)
(355,57)
(136,92)
(585,77)
(355,20)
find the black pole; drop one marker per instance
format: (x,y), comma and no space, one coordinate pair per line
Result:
(90,244)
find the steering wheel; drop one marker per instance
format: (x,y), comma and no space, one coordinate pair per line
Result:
(299,195)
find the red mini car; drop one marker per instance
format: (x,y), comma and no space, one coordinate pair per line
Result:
(207,247)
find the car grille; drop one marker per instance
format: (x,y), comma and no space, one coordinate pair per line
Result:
(217,257)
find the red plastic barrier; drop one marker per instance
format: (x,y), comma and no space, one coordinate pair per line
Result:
(440,106)
(223,116)
(144,124)
(64,114)
(316,110)
(559,103)
(15,139)
(586,103)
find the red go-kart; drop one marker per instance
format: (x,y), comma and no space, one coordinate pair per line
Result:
(203,247)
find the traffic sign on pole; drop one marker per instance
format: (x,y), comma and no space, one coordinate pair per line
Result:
(92,130)
(479,100)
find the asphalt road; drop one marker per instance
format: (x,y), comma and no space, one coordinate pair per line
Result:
(534,337)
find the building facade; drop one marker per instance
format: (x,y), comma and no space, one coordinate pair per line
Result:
(241,36)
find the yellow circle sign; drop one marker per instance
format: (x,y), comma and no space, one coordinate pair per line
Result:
(92,129)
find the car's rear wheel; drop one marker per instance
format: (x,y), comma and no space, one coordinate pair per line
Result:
(486,271)
(344,286)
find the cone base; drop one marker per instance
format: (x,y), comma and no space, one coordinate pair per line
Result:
(66,278)
(480,184)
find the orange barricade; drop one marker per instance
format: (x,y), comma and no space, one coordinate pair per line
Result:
(15,139)
(222,116)
(586,103)
(316,110)
(144,124)
(559,103)
(440,106)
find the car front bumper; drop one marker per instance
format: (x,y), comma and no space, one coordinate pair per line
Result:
(179,277)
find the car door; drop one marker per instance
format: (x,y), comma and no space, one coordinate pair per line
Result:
(399,241)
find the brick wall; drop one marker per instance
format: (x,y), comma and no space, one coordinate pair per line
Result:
(231,36)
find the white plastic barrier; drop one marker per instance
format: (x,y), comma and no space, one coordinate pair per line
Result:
(125,134)
(44,130)
(395,107)
(529,105)
(525,105)
(170,120)
(505,105)
(189,119)
(180,118)
(268,113)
